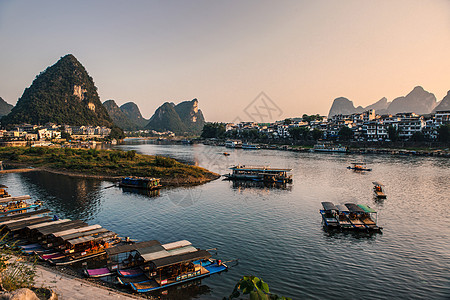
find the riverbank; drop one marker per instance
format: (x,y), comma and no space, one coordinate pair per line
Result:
(352,149)
(105,164)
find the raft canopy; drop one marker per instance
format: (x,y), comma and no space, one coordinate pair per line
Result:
(352,207)
(131,247)
(181,258)
(85,239)
(342,208)
(75,230)
(329,206)
(377,183)
(53,222)
(367,209)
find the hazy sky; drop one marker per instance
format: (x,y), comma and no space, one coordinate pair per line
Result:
(301,54)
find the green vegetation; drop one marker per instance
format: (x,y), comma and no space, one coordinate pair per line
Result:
(345,134)
(444,134)
(61,95)
(15,273)
(213,130)
(106,163)
(255,288)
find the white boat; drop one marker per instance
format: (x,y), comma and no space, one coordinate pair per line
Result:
(233,144)
(329,147)
(250,146)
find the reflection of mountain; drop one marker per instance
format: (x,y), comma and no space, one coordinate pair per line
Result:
(245,184)
(74,198)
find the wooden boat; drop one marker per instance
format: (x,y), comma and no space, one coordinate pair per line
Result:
(358,167)
(172,264)
(259,173)
(367,218)
(83,248)
(121,258)
(17,204)
(140,182)
(3,192)
(343,220)
(329,215)
(353,216)
(378,190)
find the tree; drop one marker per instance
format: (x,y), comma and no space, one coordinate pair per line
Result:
(213,130)
(345,133)
(299,133)
(444,133)
(418,137)
(392,133)
(316,134)
(287,121)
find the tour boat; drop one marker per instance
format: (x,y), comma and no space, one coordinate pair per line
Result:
(259,173)
(358,167)
(140,182)
(378,190)
(329,215)
(233,144)
(329,147)
(17,204)
(248,146)
(173,264)
(343,220)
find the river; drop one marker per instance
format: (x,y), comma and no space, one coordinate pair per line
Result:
(276,233)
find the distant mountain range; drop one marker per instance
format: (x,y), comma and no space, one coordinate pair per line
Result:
(5,108)
(63,94)
(184,118)
(128,117)
(418,101)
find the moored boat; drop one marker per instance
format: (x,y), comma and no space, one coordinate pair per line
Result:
(329,147)
(329,215)
(378,190)
(249,146)
(140,182)
(358,167)
(259,173)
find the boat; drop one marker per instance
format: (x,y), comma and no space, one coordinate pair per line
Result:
(343,220)
(226,154)
(329,215)
(358,167)
(329,147)
(233,144)
(259,173)
(140,182)
(248,146)
(378,190)
(367,217)
(349,217)
(3,192)
(173,264)
(17,204)
(120,259)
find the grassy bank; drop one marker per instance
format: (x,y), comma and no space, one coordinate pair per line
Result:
(106,164)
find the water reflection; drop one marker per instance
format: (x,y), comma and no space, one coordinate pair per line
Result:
(74,198)
(245,184)
(145,192)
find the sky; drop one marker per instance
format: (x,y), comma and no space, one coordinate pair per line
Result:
(285,58)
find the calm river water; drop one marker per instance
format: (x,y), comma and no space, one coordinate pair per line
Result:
(276,233)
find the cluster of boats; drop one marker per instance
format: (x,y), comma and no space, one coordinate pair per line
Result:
(351,216)
(143,266)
